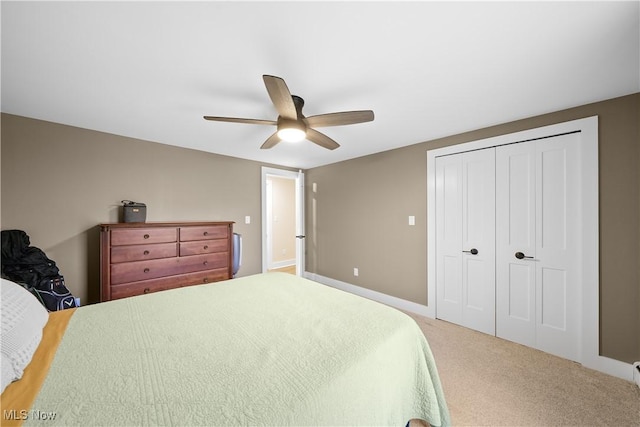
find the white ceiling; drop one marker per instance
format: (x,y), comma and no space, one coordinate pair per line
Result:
(151,70)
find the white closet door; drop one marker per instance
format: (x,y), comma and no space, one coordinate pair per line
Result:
(478,240)
(558,244)
(449,238)
(465,214)
(537,244)
(515,232)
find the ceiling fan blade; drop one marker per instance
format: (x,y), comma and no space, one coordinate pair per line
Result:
(339,119)
(240,120)
(280,96)
(271,141)
(321,139)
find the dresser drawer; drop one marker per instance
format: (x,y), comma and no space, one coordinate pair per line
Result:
(154,285)
(203,247)
(140,252)
(204,233)
(137,236)
(143,270)
(144,287)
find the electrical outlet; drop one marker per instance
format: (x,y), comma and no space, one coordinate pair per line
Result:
(355,271)
(636,373)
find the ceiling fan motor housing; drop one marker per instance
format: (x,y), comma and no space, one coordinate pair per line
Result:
(299,103)
(293,130)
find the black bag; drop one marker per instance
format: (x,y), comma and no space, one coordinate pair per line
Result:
(53,294)
(24,263)
(134,211)
(30,267)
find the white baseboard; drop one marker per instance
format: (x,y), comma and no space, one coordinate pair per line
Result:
(398,303)
(603,364)
(281,264)
(611,367)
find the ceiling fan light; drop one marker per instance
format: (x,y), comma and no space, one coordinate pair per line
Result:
(292,132)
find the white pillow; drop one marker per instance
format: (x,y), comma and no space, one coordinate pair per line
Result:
(23,318)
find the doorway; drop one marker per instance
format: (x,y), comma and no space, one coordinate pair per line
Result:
(283,220)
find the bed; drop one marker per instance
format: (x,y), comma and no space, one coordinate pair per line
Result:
(268,349)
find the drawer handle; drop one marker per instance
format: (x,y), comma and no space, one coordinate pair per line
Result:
(206,247)
(146,236)
(206,233)
(205,263)
(146,252)
(146,290)
(205,280)
(146,270)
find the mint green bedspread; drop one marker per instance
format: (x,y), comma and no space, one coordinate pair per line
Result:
(269,349)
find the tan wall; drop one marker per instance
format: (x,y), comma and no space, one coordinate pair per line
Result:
(283,218)
(60,182)
(359,218)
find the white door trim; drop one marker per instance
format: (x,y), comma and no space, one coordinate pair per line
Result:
(590,309)
(298,176)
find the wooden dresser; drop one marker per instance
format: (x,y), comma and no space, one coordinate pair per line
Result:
(138,258)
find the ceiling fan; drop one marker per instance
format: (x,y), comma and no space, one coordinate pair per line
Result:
(291,124)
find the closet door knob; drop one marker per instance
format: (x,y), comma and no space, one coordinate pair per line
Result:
(473,251)
(520,255)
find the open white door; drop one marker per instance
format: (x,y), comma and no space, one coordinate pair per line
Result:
(300,236)
(298,178)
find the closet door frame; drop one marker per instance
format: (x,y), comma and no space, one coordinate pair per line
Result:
(590,311)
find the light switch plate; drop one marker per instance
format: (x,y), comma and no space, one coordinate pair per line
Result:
(412,220)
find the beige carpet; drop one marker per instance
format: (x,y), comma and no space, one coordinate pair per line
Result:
(490,381)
